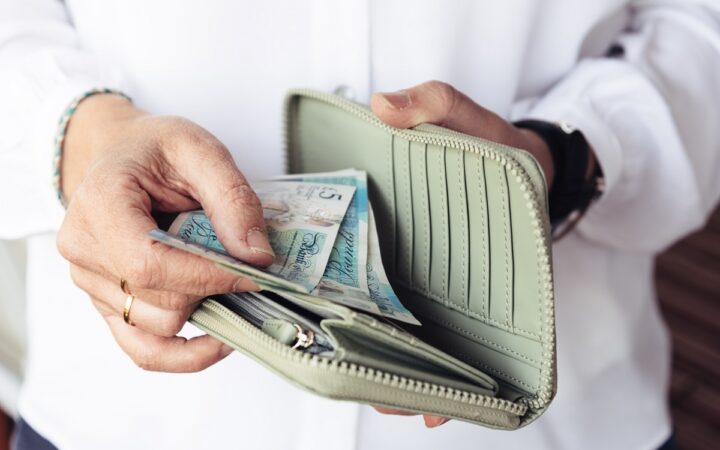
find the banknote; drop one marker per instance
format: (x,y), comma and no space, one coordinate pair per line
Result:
(225,261)
(381,292)
(380,299)
(346,267)
(321,229)
(302,220)
(345,280)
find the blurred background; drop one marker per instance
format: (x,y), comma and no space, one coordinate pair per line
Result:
(688,281)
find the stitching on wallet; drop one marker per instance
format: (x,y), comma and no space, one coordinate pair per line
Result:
(426,221)
(444,212)
(463,217)
(496,371)
(469,313)
(408,215)
(390,185)
(503,195)
(491,343)
(483,237)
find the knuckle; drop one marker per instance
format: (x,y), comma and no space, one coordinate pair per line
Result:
(146,270)
(146,358)
(76,276)
(171,325)
(440,88)
(446,93)
(176,302)
(207,285)
(141,273)
(67,245)
(184,133)
(242,194)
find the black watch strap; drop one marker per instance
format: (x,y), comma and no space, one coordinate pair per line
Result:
(572,190)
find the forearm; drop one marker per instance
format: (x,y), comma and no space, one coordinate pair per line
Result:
(651,118)
(42,68)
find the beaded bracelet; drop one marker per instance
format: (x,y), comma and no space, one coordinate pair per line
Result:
(62,130)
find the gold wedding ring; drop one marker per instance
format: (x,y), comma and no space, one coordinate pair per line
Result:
(126,310)
(128,301)
(124,286)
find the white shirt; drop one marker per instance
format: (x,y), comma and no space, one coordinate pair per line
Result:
(651,118)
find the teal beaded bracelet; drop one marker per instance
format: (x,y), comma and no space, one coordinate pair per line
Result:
(62,129)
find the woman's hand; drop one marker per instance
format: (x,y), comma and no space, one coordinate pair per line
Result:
(119,165)
(441,104)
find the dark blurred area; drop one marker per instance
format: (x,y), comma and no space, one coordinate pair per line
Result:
(687,277)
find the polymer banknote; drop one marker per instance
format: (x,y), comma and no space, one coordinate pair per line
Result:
(302,221)
(346,268)
(352,275)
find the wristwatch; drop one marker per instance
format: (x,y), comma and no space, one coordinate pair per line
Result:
(573,190)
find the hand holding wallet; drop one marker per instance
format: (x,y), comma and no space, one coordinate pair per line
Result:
(463,227)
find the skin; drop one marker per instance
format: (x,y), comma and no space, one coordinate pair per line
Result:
(121,163)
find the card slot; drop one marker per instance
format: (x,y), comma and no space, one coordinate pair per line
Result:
(508,361)
(440,245)
(458,225)
(373,347)
(526,307)
(479,237)
(387,220)
(421,217)
(404,210)
(510,305)
(500,236)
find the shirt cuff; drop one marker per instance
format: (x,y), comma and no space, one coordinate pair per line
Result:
(40,90)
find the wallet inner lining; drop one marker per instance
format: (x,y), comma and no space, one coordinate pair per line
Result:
(439,242)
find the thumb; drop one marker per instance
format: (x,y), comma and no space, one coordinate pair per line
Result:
(441,104)
(230,203)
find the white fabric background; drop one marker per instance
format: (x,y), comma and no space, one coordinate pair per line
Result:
(651,118)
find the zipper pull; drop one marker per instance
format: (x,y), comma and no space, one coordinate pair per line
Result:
(304,339)
(289,333)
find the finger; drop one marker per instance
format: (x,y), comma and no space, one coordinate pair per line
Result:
(435,421)
(395,412)
(98,285)
(441,104)
(231,204)
(167,354)
(110,300)
(131,255)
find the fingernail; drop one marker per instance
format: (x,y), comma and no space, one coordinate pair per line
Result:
(398,100)
(258,242)
(442,421)
(435,421)
(243,284)
(226,350)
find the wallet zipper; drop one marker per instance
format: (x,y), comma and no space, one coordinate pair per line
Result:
(218,320)
(474,145)
(309,336)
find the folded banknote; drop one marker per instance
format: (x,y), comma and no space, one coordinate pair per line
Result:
(321,229)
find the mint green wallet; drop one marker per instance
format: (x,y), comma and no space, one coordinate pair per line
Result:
(465,241)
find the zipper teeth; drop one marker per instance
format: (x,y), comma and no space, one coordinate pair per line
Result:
(229,322)
(503,156)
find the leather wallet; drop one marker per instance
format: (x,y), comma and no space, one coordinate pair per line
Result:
(465,239)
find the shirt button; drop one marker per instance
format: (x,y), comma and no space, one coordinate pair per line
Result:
(345,91)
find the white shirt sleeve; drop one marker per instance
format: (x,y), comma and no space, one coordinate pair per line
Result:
(42,68)
(652,117)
